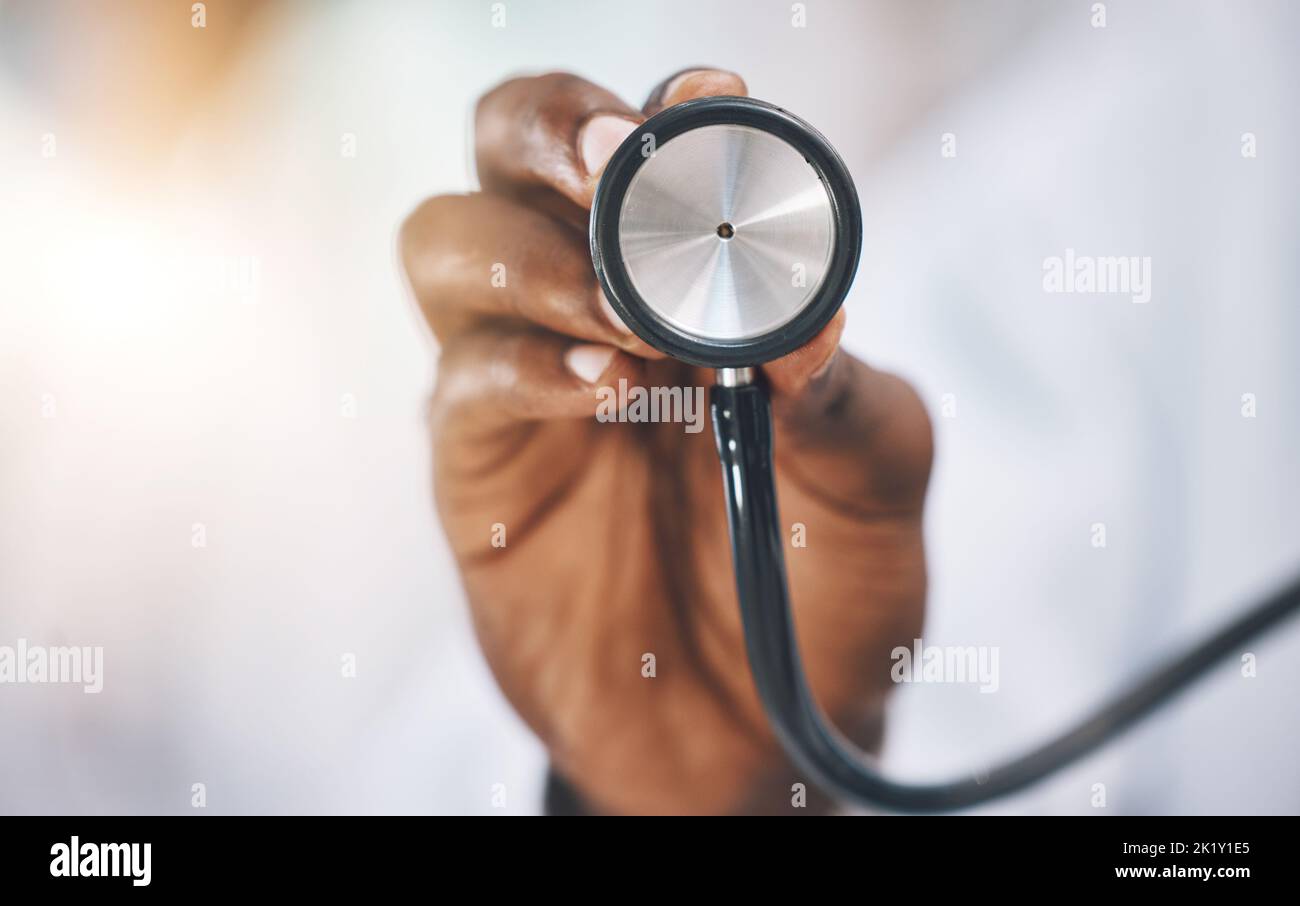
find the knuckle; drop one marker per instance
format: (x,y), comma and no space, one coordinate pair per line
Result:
(418,227)
(498,95)
(525,96)
(914,439)
(424,245)
(454,388)
(556,110)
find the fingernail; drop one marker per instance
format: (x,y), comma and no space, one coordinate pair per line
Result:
(679,80)
(588,361)
(602,134)
(610,314)
(723,80)
(825,367)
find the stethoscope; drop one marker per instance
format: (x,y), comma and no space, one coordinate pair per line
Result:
(726,233)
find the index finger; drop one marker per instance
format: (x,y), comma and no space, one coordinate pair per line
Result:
(544,140)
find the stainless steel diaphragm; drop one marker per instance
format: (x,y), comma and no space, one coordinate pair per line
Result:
(725,231)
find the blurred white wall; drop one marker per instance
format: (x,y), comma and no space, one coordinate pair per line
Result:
(223,338)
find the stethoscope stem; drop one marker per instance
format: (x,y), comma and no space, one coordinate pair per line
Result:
(735,377)
(742,422)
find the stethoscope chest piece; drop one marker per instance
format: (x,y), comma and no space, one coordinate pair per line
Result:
(725,232)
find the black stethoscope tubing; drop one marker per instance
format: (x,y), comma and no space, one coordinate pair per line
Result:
(742,421)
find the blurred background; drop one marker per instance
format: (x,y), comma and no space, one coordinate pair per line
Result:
(213,456)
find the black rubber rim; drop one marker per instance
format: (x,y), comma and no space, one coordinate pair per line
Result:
(845,212)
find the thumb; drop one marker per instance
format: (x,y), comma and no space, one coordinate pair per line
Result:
(846,427)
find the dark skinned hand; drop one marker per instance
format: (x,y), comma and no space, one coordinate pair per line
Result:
(615,534)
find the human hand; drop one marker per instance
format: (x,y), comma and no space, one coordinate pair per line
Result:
(616,542)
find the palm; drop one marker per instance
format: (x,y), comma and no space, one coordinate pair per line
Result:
(609,614)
